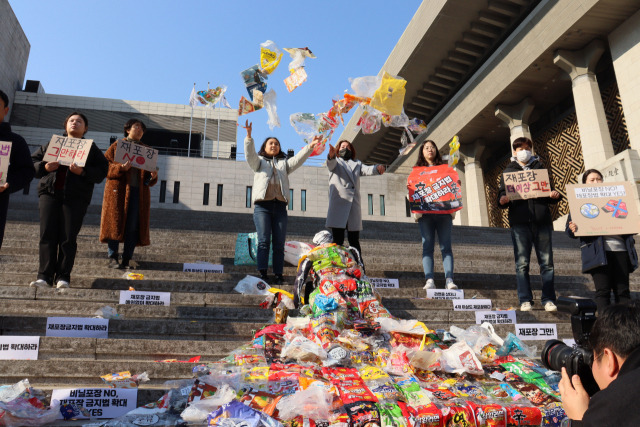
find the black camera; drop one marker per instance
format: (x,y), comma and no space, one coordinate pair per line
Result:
(577,360)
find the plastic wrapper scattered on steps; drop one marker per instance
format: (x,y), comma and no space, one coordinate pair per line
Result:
(124,379)
(198,410)
(236,413)
(107,312)
(22,405)
(133,276)
(251,285)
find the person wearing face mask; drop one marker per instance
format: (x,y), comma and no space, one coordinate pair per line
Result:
(345,211)
(269,195)
(609,259)
(65,193)
(126,202)
(531,226)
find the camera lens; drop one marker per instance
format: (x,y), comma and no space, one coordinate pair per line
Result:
(555,354)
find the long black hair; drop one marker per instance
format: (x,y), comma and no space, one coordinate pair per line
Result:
(263,153)
(422,161)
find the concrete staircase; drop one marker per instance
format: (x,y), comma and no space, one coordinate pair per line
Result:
(206,317)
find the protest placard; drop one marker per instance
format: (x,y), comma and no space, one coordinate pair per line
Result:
(445,293)
(83,327)
(529,184)
(604,209)
(145,298)
(202,267)
(5,155)
(99,402)
(471,304)
(67,151)
(536,331)
(383,282)
(435,189)
(140,156)
(506,317)
(19,347)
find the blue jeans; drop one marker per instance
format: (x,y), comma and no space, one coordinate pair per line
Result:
(131,228)
(524,236)
(429,225)
(270,219)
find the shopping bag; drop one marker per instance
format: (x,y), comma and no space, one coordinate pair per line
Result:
(247,250)
(294,250)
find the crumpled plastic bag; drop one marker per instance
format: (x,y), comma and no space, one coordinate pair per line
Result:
(399,121)
(460,358)
(514,346)
(106,312)
(365,86)
(298,56)
(313,402)
(212,96)
(370,120)
(305,125)
(399,325)
(236,413)
(270,56)
(272,110)
(389,97)
(426,360)
(303,350)
(251,285)
(21,405)
(197,411)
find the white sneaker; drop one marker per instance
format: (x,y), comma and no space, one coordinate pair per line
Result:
(451,285)
(525,306)
(39,284)
(550,306)
(431,284)
(62,284)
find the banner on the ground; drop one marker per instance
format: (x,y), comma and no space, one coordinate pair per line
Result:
(13,347)
(529,184)
(140,156)
(434,189)
(5,155)
(80,327)
(99,402)
(445,293)
(384,283)
(202,267)
(145,298)
(507,317)
(471,304)
(66,150)
(536,331)
(604,209)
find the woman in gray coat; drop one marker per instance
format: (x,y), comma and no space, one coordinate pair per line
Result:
(345,211)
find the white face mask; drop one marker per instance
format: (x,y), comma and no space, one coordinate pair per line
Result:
(523,156)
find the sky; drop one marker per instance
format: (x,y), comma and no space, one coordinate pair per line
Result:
(153,50)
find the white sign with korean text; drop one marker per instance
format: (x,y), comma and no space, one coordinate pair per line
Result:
(140,156)
(527,184)
(383,282)
(445,294)
(507,317)
(471,304)
(99,402)
(145,298)
(5,155)
(202,267)
(81,327)
(67,150)
(19,347)
(536,331)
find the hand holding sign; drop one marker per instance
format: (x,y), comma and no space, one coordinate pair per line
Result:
(136,155)
(74,168)
(51,166)
(4,187)
(126,166)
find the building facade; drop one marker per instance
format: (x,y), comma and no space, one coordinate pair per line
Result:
(14,51)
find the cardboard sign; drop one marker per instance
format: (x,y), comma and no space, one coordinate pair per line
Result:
(529,184)
(536,331)
(19,347)
(145,298)
(83,327)
(445,293)
(434,189)
(604,209)
(5,155)
(471,304)
(140,156)
(383,282)
(67,150)
(496,317)
(298,77)
(100,402)
(202,267)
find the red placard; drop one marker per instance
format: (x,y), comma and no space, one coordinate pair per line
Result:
(434,189)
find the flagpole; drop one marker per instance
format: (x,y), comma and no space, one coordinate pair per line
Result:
(191,123)
(205,124)
(218,150)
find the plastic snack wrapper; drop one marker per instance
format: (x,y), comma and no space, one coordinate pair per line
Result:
(296,79)
(298,56)
(389,97)
(370,120)
(454,151)
(272,110)
(254,79)
(366,86)
(197,411)
(270,56)
(124,379)
(212,96)
(245,106)
(399,121)
(237,412)
(133,276)
(303,350)
(312,402)
(460,358)
(417,126)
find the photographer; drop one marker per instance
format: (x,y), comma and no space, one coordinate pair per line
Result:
(615,339)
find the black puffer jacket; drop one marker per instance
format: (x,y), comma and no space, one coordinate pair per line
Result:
(21,169)
(76,187)
(531,211)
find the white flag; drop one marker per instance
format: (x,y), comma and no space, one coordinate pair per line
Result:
(193,99)
(225,103)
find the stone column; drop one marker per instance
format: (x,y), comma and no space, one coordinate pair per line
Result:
(592,121)
(517,118)
(474,197)
(624,42)
(462,215)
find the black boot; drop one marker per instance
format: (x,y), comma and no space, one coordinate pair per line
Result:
(264,276)
(113,261)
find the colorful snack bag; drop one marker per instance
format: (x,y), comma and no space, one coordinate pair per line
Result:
(518,415)
(427,416)
(391,415)
(405,339)
(553,415)
(489,415)
(534,394)
(201,390)
(270,56)
(523,371)
(413,394)
(363,414)
(458,414)
(465,389)
(442,394)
